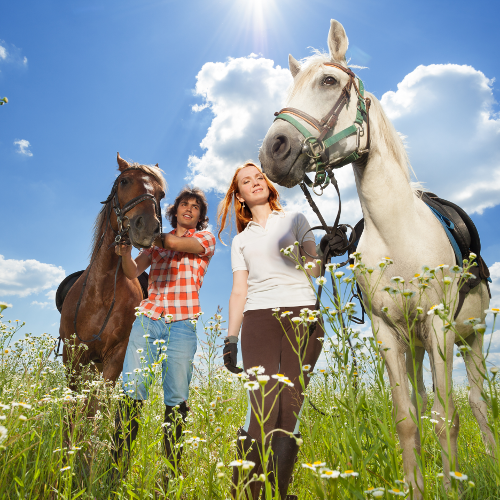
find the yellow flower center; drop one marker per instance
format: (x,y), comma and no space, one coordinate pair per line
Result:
(458,474)
(395,490)
(348,472)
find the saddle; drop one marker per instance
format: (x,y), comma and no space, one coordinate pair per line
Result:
(69,281)
(461,232)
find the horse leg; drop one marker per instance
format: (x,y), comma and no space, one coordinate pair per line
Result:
(442,370)
(474,362)
(409,437)
(419,376)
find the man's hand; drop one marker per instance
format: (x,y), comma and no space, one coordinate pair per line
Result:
(123,250)
(230,354)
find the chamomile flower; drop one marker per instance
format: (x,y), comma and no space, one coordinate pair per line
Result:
(494,370)
(284,314)
(396,492)
(252,385)
(349,473)
(481,328)
(493,310)
(339,274)
(256,370)
(330,474)
(64,469)
(433,420)
(139,351)
(306,368)
(435,309)
(309,265)
(276,309)
(263,379)
(321,281)
(397,279)
(458,475)
(330,267)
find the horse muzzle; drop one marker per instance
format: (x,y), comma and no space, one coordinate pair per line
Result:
(282,157)
(143,230)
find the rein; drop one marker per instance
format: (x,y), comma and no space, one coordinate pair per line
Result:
(120,234)
(317,147)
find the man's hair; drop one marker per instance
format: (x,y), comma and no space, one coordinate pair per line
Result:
(188,193)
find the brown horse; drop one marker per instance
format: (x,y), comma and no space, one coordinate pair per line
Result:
(100,306)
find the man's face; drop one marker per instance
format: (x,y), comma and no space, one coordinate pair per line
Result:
(188,213)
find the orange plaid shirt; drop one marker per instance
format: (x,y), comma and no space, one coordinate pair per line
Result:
(176,278)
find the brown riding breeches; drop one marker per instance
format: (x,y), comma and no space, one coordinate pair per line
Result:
(266,343)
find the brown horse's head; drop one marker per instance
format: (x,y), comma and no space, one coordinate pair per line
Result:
(143,219)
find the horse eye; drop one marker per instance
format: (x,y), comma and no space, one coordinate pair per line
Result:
(329,80)
(123,182)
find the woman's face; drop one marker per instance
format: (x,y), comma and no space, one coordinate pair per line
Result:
(252,186)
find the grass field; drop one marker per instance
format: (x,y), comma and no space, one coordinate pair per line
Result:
(54,444)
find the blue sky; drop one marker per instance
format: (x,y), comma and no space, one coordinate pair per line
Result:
(193,86)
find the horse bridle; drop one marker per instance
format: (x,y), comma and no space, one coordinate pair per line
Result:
(120,234)
(317,147)
(120,212)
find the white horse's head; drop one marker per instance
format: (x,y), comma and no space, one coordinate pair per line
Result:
(316,88)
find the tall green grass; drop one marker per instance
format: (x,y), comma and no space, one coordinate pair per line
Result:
(56,443)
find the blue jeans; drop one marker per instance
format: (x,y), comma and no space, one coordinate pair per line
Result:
(153,342)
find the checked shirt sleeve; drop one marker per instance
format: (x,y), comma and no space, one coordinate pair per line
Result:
(207,240)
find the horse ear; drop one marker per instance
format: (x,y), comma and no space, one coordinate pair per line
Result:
(122,164)
(157,166)
(294,65)
(337,41)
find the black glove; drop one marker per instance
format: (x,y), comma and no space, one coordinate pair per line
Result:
(336,241)
(230,354)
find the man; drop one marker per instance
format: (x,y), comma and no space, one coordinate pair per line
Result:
(165,329)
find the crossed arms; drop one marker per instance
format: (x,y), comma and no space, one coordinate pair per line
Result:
(134,268)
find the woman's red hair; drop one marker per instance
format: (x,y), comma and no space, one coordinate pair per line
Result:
(242,213)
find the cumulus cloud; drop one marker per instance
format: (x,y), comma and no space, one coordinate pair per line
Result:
(50,304)
(446,112)
(26,277)
(10,54)
(242,94)
(23,147)
(495,285)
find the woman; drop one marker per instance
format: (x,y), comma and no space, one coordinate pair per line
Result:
(264,279)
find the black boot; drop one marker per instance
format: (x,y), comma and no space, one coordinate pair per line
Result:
(175,416)
(126,426)
(247,450)
(284,456)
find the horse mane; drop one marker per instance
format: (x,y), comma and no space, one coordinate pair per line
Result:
(393,140)
(154,171)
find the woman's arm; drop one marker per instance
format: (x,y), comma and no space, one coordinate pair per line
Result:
(237,302)
(310,248)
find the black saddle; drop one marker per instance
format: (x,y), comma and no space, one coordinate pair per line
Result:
(69,281)
(461,229)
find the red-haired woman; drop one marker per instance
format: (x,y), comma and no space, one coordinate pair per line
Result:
(264,279)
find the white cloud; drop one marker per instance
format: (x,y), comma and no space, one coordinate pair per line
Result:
(242,94)
(3,52)
(495,285)
(50,304)
(24,146)
(26,277)
(446,112)
(25,60)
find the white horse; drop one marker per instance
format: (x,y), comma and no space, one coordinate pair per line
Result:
(397,224)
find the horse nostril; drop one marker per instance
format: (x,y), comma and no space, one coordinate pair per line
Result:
(280,147)
(139,223)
